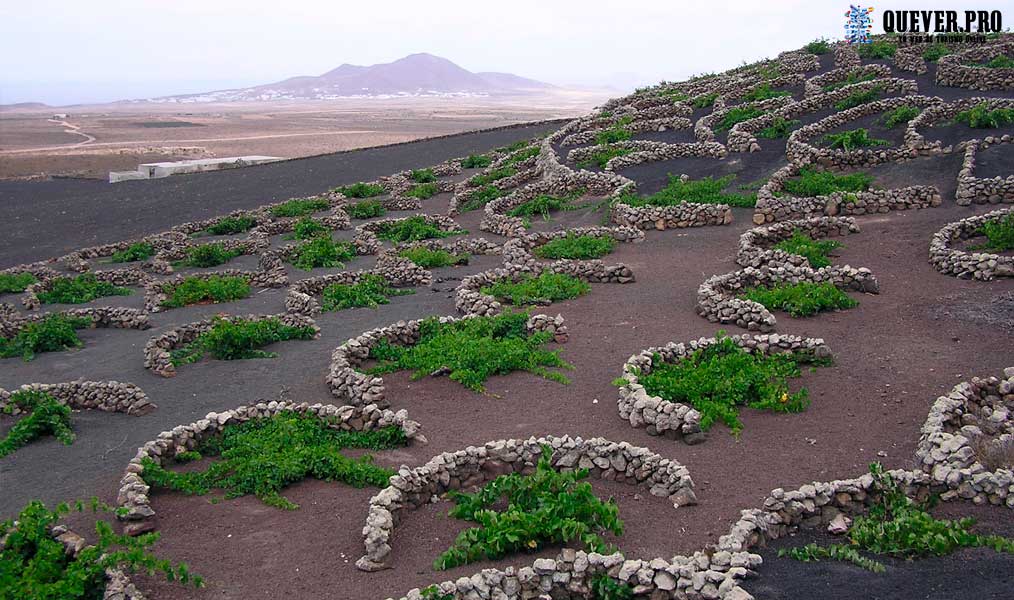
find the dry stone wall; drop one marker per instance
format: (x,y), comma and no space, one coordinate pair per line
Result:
(108,396)
(981,266)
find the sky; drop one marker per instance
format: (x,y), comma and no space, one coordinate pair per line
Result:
(85,51)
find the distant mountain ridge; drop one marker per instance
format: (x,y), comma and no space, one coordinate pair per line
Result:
(419,74)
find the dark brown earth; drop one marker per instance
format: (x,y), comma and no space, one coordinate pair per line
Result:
(894,354)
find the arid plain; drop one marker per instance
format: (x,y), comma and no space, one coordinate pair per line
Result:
(92,140)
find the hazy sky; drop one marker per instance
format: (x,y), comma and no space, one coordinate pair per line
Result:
(69,51)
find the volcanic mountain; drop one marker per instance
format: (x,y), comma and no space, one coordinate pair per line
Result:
(414,75)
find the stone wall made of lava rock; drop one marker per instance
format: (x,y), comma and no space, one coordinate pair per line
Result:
(475,465)
(353,387)
(992,190)
(157,352)
(644,151)
(108,396)
(101,316)
(815,85)
(270,274)
(133,498)
(953,70)
(756,246)
(396,271)
(979,265)
(518,251)
(470,300)
(661,417)
(120,277)
(972,418)
(687,214)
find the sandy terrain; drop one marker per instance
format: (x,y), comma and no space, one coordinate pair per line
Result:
(93,140)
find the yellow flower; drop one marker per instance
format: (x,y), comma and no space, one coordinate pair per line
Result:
(532,543)
(785,398)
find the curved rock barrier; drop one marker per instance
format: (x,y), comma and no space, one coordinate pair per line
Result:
(158,350)
(271,273)
(130,276)
(135,505)
(353,387)
(799,149)
(775,205)
(101,316)
(756,246)
(814,86)
(396,271)
(982,266)
(661,417)
(967,440)
(954,70)
(77,261)
(475,465)
(688,214)
(993,190)
(470,300)
(474,246)
(718,297)
(108,396)
(518,251)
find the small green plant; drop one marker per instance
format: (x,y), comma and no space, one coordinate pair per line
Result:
(764,92)
(432,592)
(481,197)
(545,508)
(545,289)
(470,351)
(818,46)
(209,255)
(704,100)
(721,378)
(999,234)
(34,564)
(361,190)
(51,334)
(853,77)
(322,253)
(697,191)
(423,176)
(513,147)
(476,161)
(900,116)
(611,135)
(300,207)
(261,457)
(45,416)
(136,251)
(852,139)
(413,229)
(545,204)
(80,289)
(524,154)
(816,252)
(674,95)
(308,228)
(580,247)
(602,156)
(810,183)
(981,117)
(365,209)
(737,114)
(780,127)
(1000,62)
(860,97)
(877,49)
(896,526)
(423,191)
(239,339)
(15,283)
(231,226)
(935,52)
(604,587)
(370,291)
(801,299)
(494,175)
(432,259)
(214,289)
